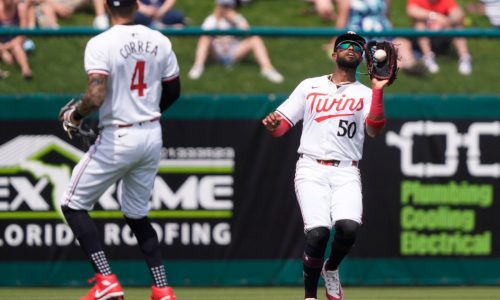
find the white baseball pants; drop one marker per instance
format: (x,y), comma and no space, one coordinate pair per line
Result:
(131,154)
(327,193)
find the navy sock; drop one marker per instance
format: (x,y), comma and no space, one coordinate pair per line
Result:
(150,247)
(88,236)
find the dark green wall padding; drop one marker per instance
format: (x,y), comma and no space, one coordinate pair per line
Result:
(256,106)
(358,272)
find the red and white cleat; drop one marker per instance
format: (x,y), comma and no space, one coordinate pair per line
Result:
(332,284)
(164,293)
(105,288)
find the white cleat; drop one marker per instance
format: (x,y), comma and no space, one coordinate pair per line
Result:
(332,284)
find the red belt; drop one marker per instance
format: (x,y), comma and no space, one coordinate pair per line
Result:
(139,123)
(334,162)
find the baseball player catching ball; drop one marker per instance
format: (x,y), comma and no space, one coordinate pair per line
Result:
(133,76)
(336,110)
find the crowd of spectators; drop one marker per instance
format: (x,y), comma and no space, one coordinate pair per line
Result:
(13,13)
(228,49)
(417,55)
(439,15)
(373,16)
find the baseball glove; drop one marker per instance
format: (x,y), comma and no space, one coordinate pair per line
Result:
(383,68)
(82,130)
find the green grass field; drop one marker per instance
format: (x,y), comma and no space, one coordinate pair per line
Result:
(271,293)
(57,62)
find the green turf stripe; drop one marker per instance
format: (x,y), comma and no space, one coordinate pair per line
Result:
(10,170)
(162,214)
(165,214)
(30,215)
(211,214)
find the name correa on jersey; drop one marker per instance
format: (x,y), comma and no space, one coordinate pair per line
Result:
(138,47)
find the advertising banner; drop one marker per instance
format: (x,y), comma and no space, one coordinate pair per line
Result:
(224,201)
(222,188)
(431,190)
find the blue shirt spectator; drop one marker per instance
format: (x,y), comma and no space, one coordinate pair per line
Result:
(159,14)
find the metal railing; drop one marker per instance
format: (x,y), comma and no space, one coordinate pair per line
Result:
(267,31)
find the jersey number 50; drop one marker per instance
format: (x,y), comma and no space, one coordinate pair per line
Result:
(346,128)
(137,82)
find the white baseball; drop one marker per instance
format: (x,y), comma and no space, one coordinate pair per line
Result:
(380,55)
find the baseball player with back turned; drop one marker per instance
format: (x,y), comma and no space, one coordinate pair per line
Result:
(133,76)
(336,110)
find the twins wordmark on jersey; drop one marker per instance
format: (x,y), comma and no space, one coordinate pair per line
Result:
(333,106)
(333,117)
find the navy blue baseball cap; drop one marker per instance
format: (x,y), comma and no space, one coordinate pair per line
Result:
(350,36)
(120,3)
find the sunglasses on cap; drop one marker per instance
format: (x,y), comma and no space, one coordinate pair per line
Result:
(346,45)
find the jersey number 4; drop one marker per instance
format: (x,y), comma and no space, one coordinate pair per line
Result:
(138,78)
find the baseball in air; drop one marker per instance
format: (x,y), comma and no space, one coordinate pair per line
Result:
(380,55)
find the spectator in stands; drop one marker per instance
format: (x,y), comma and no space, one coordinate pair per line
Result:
(13,13)
(49,11)
(229,49)
(490,8)
(361,15)
(159,14)
(324,8)
(439,15)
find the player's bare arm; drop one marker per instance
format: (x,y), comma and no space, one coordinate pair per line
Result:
(91,100)
(275,125)
(272,121)
(95,94)
(379,84)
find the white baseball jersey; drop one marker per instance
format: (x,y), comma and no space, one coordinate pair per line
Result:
(333,118)
(134,57)
(136,60)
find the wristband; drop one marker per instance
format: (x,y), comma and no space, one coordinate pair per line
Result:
(377,107)
(375,123)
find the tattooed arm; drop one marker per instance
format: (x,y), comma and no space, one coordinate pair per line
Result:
(93,97)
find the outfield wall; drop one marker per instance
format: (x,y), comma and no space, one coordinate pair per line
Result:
(224,205)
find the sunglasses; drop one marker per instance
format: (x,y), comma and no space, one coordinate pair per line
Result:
(346,45)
